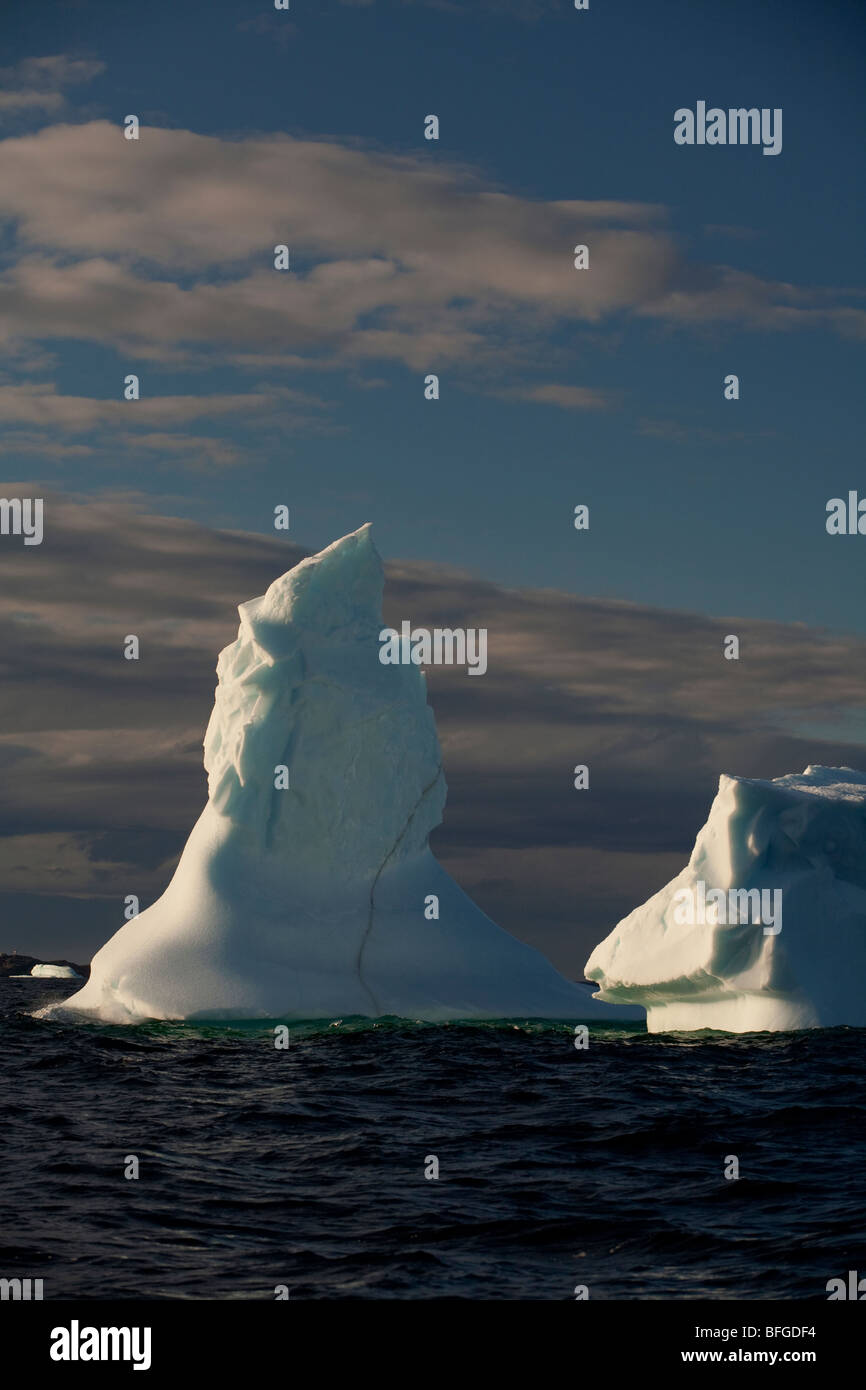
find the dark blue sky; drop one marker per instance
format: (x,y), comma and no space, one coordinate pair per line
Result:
(696,502)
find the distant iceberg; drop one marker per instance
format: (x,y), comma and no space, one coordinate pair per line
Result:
(308,901)
(765,928)
(60,972)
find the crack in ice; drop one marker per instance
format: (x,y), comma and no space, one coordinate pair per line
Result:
(409,819)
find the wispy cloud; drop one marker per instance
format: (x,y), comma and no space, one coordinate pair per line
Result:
(39,84)
(678,432)
(155,424)
(525,10)
(276,28)
(33,403)
(565,396)
(164,246)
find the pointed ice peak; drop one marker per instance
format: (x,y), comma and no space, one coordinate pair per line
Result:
(339,588)
(303,891)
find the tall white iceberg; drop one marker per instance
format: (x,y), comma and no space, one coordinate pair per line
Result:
(781,942)
(308,902)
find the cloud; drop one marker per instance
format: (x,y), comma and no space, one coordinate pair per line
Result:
(195,451)
(275,27)
(679,433)
(35,403)
(51,72)
(37,84)
(526,10)
(164,247)
(16,442)
(93,746)
(24,101)
(134,425)
(566,397)
(721,294)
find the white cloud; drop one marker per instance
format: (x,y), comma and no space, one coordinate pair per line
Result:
(38,403)
(165,245)
(128,426)
(37,84)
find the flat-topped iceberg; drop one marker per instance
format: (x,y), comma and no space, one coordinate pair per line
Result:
(765,928)
(307,888)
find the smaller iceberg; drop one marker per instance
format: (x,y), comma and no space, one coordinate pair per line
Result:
(59,972)
(765,927)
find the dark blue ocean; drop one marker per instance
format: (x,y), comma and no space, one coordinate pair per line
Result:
(305,1167)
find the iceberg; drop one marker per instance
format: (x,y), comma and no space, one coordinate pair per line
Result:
(304,889)
(765,928)
(60,972)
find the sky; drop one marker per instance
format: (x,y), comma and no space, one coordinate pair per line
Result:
(306,388)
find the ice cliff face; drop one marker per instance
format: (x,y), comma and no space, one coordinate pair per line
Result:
(765,928)
(308,901)
(303,687)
